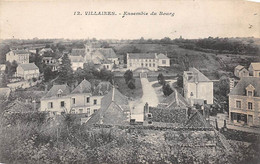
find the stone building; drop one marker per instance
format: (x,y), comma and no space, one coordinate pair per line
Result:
(240,71)
(197,87)
(244,102)
(27,71)
(254,69)
(20,56)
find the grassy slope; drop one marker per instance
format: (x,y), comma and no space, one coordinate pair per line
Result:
(136,93)
(181,58)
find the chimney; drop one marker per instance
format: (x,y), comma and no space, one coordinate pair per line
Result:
(176,97)
(231,84)
(113,93)
(46,88)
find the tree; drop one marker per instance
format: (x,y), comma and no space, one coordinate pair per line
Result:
(167,90)
(11,68)
(161,79)
(128,75)
(105,74)
(131,84)
(224,86)
(3,80)
(180,81)
(47,74)
(65,71)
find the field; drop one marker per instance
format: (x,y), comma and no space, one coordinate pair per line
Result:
(213,65)
(136,93)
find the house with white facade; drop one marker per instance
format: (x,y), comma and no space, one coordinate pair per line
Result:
(163,60)
(244,102)
(20,56)
(254,69)
(76,62)
(150,61)
(45,50)
(83,99)
(240,71)
(51,62)
(142,61)
(197,87)
(27,71)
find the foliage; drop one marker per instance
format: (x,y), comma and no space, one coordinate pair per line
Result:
(180,81)
(131,84)
(161,79)
(3,80)
(65,71)
(11,68)
(128,75)
(167,90)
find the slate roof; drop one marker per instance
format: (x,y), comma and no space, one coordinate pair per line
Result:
(20,51)
(256,66)
(76,58)
(108,52)
(240,88)
(103,88)
(239,67)
(113,110)
(54,91)
(195,75)
(162,56)
(83,87)
(29,66)
(197,121)
(174,100)
(4,93)
(142,55)
(77,52)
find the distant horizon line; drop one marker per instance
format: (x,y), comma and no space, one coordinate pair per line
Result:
(53,38)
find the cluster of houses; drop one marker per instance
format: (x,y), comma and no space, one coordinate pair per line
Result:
(253,70)
(244,97)
(24,69)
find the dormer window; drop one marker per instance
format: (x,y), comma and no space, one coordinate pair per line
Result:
(250,90)
(59,93)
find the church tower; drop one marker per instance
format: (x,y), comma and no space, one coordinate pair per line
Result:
(88,51)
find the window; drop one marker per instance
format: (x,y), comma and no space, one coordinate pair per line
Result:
(150,65)
(88,111)
(95,101)
(153,65)
(250,105)
(80,110)
(62,104)
(72,110)
(88,99)
(73,101)
(163,61)
(146,65)
(95,110)
(249,93)
(50,105)
(238,104)
(150,60)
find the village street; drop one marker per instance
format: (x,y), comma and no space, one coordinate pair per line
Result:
(149,96)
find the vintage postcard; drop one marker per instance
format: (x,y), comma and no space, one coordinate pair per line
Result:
(120,81)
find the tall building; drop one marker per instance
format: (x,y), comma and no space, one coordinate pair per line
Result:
(244,102)
(20,56)
(83,99)
(197,87)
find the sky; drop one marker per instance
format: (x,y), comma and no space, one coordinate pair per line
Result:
(192,19)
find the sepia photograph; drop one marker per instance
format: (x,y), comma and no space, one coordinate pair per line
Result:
(130,82)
